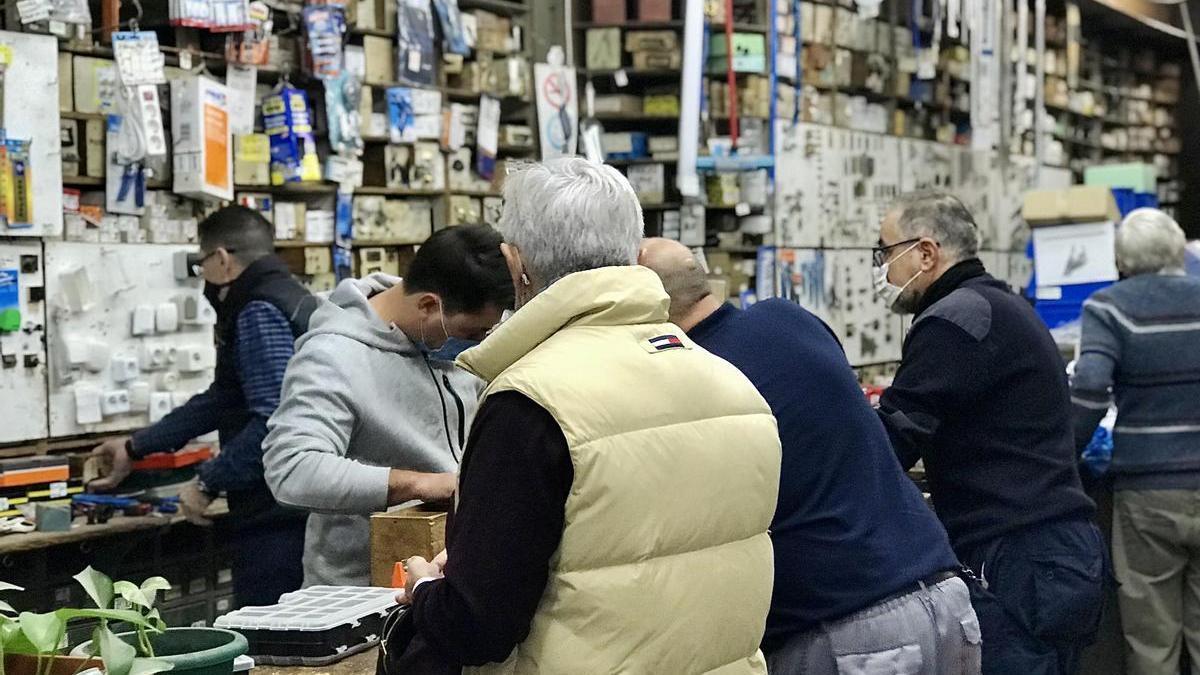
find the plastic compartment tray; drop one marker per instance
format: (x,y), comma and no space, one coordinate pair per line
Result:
(315,626)
(173,460)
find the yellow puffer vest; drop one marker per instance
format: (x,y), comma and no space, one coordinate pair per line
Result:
(665,565)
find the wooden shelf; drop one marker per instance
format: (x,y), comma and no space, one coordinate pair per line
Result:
(495,6)
(374,32)
(476,193)
(464,96)
(82,181)
(517,149)
(665,206)
(639,160)
(283,243)
(71,115)
(367,243)
(636,73)
(291,188)
(397,192)
(631,25)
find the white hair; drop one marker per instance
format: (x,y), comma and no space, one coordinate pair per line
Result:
(570,215)
(1148,242)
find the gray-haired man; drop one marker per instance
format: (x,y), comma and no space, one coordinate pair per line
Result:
(981,395)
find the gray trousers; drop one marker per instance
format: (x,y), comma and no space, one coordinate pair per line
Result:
(929,632)
(1156,557)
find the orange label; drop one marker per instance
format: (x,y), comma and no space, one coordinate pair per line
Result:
(216,146)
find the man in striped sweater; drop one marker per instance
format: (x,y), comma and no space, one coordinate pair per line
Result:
(1140,349)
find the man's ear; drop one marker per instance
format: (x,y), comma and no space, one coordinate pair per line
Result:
(428,303)
(516,269)
(931,254)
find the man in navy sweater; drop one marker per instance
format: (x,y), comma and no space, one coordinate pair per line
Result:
(981,396)
(864,576)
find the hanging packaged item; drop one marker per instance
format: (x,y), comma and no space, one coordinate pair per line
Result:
(16,185)
(10,300)
(324,30)
(452,28)
(287,121)
(415,48)
(203,153)
(252,47)
(341,108)
(400,115)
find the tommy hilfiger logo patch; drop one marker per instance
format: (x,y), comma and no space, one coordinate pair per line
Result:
(665,342)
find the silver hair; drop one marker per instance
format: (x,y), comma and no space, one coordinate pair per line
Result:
(570,215)
(1149,241)
(942,217)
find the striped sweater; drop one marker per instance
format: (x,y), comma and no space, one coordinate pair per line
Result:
(1140,350)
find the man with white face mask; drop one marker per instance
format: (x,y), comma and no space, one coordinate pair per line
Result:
(981,396)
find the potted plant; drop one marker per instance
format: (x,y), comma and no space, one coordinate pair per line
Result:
(34,644)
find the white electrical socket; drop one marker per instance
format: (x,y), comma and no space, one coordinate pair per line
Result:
(166,318)
(172,354)
(97,356)
(124,368)
(76,352)
(139,396)
(188,307)
(115,402)
(87,405)
(205,314)
(168,381)
(143,320)
(77,289)
(195,358)
(153,356)
(160,405)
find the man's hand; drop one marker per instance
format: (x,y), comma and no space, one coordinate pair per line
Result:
(405,486)
(440,561)
(437,487)
(115,464)
(417,568)
(193,502)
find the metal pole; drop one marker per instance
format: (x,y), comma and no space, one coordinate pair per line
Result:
(1039,92)
(686,178)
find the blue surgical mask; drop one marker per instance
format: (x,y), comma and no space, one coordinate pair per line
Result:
(450,348)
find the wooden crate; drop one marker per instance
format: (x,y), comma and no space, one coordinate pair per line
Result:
(402,534)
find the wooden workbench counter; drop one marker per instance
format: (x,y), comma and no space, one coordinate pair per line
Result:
(354,665)
(81,531)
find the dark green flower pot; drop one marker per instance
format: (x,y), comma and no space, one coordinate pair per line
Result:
(194,651)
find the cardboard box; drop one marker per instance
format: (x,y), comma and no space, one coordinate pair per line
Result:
(651,40)
(608,11)
(378,260)
(603,48)
(749,53)
(381,60)
(72,147)
(624,145)
(94,140)
(464,210)
(252,159)
(658,60)
(66,82)
(289,220)
(368,14)
(94,81)
(1079,204)
(399,535)
(649,182)
(663,145)
(617,104)
(665,105)
(654,10)
(1136,176)
(408,220)
(492,32)
(203,149)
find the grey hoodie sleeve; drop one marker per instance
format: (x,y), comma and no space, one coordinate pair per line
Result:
(304,455)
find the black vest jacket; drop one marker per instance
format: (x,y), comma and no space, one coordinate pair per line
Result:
(266,279)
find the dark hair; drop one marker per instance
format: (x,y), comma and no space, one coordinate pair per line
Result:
(465,267)
(242,231)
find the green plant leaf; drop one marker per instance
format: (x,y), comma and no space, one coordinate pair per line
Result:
(5,586)
(44,631)
(8,630)
(15,641)
(97,585)
(127,615)
(155,620)
(143,666)
(5,607)
(132,594)
(117,654)
(152,586)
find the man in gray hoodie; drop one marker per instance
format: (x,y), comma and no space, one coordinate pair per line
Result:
(374,413)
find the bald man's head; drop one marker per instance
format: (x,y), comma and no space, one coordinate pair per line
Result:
(682,276)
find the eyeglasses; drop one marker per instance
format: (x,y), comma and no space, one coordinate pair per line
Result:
(198,260)
(879,254)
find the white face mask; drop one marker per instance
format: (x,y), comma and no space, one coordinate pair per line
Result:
(885,289)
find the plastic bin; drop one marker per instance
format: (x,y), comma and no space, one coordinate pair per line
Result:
(316,626)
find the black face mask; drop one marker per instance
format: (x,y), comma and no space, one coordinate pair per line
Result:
(214,293)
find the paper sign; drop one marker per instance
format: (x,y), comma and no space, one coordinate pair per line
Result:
(742,209)
(58,490)
(557,109)
(241,82)
(621,78)
(1074,254)
(185,60)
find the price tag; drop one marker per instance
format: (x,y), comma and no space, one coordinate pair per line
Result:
(621,78)
(58,490)
(3,503)
(185,60)
(926,64)
(742,209)
(34,10)
(414,60)
(6,55)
